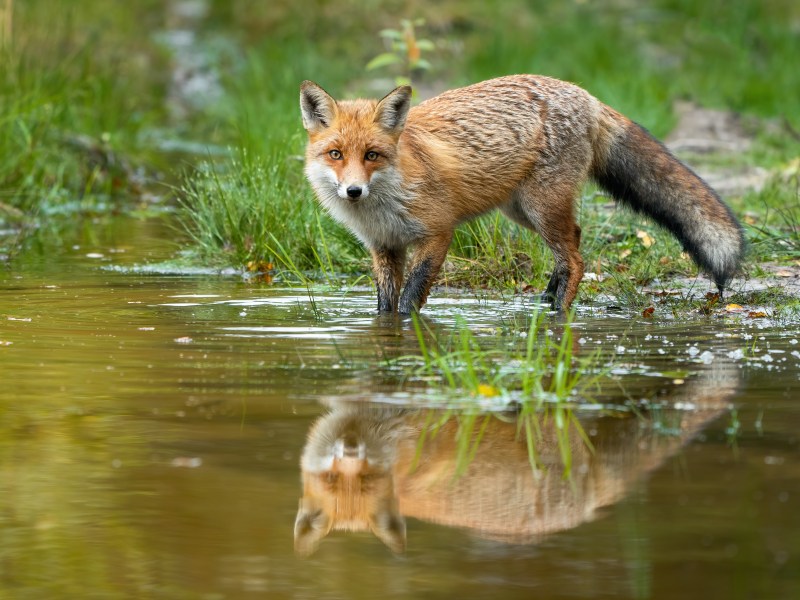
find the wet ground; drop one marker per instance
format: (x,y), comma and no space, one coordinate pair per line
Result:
(152,428)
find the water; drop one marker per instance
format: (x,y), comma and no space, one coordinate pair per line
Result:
(152,427)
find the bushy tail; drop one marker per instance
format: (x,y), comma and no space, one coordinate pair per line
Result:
(641,173)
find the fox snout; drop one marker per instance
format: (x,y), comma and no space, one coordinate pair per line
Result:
(349,446)
(353,191)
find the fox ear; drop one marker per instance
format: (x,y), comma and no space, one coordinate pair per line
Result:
(389,527)
(392,110)
(317,107)
(310,526)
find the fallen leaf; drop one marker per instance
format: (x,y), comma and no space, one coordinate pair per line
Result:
(646,239)
(259,265)
(784,273)
(661,292)
(592,277)
(625,253)
(487,390)
(648,312)
(750,218)
(734,308)
(756,314)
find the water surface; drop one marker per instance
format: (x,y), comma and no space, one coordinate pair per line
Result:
(152,427)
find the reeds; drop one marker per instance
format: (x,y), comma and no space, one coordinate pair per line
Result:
(6,23)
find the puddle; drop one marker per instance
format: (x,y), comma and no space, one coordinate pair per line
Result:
(152,428)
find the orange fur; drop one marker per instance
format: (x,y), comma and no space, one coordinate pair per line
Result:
(400,176)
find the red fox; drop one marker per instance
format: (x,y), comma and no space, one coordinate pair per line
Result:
(398,176)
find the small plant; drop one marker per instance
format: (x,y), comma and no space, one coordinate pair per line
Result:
(541,380)
(249,216)
(404,53)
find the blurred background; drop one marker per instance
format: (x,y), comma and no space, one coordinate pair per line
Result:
(99,99)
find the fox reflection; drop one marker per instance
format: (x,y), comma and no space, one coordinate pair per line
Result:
(349,466)
(364,469)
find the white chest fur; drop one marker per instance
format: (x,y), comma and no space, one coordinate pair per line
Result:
(380,220)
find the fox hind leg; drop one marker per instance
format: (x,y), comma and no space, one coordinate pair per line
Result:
(550,212)
(425,265)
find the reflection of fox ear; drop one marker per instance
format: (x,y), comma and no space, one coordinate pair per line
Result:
(310,526)
(389,527)
(316,106)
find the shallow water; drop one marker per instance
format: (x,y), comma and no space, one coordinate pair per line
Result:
(151,430)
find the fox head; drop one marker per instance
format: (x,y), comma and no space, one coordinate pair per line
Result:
(351,142)
(348,484)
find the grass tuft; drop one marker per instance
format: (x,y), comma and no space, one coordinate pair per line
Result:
(252,212)
(540,379)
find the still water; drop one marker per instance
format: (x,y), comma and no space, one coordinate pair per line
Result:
(152,429)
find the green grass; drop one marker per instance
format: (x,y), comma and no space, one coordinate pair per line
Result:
(540,377)
(256,212)
(70,120)
(73,132)
(640,60)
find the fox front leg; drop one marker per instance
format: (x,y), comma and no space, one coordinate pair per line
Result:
(425,266)
(387,266)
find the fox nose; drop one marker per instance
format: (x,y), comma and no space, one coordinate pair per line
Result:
(349,446)
(354,191)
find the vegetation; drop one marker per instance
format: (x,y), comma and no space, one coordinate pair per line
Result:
(543,378)
(677,45)
(76,137)
(70,126)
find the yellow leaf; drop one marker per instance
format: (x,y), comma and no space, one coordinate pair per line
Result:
(487,390)
(734,308)
(646,239)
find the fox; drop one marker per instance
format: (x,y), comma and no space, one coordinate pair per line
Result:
(401,177)
(367,468)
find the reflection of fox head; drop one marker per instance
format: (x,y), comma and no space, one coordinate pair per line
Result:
(348,482)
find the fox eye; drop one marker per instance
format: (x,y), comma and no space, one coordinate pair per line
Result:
(371,155)
(335,154)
